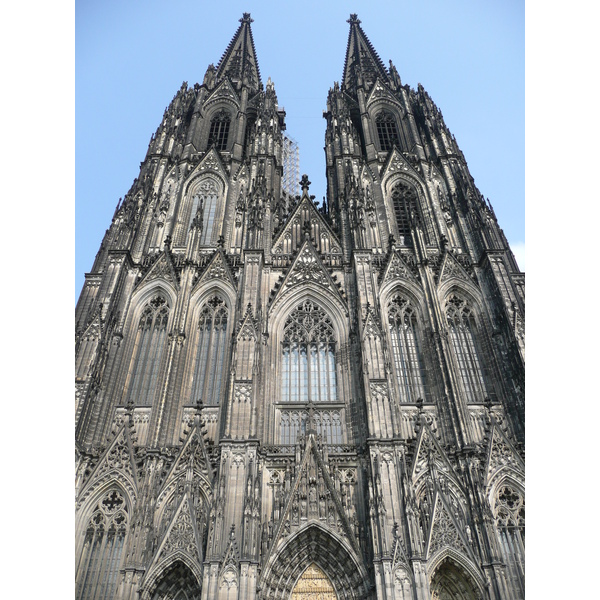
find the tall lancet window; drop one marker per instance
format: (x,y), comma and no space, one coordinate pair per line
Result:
(204,208)
(406,349)
(308,356)
(100,560)
(387,131)
(510,521)
(463,330)
(209,368)
(150,343)
(404,200)
(219,131)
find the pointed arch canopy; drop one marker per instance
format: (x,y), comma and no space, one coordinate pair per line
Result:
(314,545)
(172,576)
(454,576)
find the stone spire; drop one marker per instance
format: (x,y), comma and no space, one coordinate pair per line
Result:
(362,65)
(239,60)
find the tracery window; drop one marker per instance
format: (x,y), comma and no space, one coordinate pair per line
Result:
(149,346)
(462,328)
(404,200)
(510,521)
(102,549)
(308,356)
(406,349)
(219,131)
(204,208)
(209,368)
(387,131)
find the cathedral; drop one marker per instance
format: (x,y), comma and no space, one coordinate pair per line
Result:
(284,399)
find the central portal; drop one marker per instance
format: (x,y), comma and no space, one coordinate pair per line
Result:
(313,585)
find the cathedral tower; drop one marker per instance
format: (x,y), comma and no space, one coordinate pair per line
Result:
(276,399)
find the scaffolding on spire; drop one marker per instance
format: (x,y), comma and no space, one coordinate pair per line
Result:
(291,166)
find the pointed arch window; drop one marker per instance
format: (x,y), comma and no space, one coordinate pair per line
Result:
(387,131)
(510,521)
(308,356)
(209,366)
(219,130)
(103,548)
(404,200)
(462,329)
(406,349)
(204,209)
(148,349)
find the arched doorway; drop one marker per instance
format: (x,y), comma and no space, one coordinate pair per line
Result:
(313,584)
(314,546)
(179,583)
(450,582)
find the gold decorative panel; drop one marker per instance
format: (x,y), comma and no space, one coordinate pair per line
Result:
(313,585)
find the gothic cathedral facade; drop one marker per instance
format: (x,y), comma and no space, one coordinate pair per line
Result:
(277,399)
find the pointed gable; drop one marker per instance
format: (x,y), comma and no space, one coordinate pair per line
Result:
(239,61)
(304,483)
(381,92)
(210,162)
(164,269)
(429,454)
(181,536)
(193,460)
(397,163)
(308,268)
(501,456)
(397,269)
(452,269)
(217,268)
(291,235)
(116,463)
(223,91)
(445,531)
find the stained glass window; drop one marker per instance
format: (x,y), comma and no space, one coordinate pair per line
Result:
(102,549)
(209,370)
(510,520)
(149,345)
(406,349)
(204,209)
(308,356)
(462,329)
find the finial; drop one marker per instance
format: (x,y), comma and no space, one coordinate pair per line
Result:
(304,183)
(353,19)
(246,18)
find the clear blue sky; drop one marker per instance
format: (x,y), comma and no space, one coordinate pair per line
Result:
(131,58)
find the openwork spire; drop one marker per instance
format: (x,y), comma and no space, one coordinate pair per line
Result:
(362,65)
(239,60)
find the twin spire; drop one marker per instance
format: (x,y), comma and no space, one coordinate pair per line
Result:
(361,67)
(362,64)
(239,60)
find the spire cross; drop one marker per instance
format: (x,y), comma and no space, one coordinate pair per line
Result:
(246,18)
(353,19)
